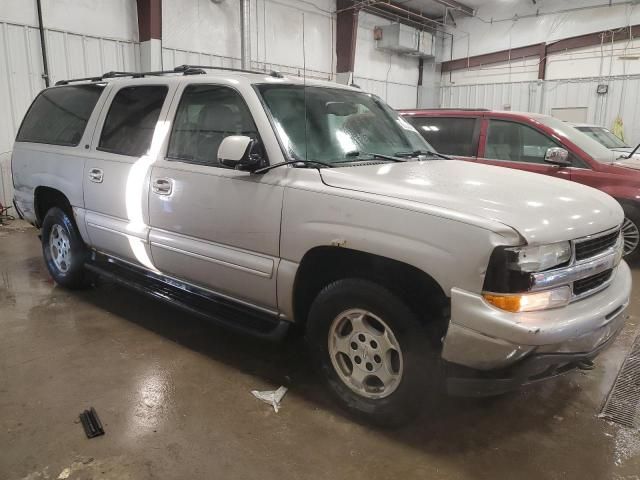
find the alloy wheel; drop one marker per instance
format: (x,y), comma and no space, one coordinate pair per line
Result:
(365,353)
(630,235)
(60,248)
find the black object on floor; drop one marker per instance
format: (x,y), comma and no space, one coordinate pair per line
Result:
(91,423)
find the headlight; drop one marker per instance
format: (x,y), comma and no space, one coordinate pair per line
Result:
(510,268)
(509,277)
(528,302)
(540,258)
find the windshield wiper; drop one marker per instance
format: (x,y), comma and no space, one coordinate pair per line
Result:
(634,152)
(293,162)
(429,153)
(373,156)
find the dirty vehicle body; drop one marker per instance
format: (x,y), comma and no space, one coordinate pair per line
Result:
(521,140)
(212,192)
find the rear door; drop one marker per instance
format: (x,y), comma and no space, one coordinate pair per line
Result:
(116,174)
(456,136)
(512,144)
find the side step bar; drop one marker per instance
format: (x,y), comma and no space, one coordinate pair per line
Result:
(215,308)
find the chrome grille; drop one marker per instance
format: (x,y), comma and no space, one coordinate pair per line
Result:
(593,246)
(591,268)
(590,283)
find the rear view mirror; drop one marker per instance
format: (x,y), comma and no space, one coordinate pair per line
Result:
(237,151)
(341,109)
(557,156)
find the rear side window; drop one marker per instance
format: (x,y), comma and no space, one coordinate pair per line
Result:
(58,116)
(131,120)
(455,136)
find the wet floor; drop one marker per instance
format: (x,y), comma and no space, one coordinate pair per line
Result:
(174,395)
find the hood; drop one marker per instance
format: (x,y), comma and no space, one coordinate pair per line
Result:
(633,162)
(542,209)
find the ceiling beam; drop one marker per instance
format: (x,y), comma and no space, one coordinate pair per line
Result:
(458,6)
(542,50)
(489,58)
(592,39)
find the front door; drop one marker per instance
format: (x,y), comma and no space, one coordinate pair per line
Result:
(116,174)
(515,145)
(213,226)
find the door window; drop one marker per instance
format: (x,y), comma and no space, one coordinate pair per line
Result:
(516,142)
(131,121)
(206,115)
(454,136)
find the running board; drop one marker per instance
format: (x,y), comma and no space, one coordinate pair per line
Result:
(202,303)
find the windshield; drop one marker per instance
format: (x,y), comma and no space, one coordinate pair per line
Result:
(341,125)
(593,148)
(604,136)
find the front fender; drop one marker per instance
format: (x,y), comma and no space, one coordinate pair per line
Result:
(453,253)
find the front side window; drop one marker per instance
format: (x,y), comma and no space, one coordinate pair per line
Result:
(516,142)
(206,115)
(131,121)
(59,116)
(336,125)
(453,136)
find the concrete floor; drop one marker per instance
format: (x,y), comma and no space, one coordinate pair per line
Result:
(174,395)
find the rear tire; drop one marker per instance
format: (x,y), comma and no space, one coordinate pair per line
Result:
(63,249)
(371,350)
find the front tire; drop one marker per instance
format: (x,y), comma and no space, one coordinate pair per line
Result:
(63,249)
(371,350)
(631,233)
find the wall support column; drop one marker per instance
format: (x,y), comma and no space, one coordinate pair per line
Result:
(346,34)
(150,34)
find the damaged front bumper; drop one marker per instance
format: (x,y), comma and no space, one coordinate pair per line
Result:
(507,350)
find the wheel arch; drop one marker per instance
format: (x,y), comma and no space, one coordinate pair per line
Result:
(323,265)
(45,198)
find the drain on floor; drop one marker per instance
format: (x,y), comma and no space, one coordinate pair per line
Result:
(623,403)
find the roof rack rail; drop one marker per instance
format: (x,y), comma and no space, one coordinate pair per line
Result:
(184,69)
(108,75)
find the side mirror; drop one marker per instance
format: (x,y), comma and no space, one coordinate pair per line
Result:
(237,151)
(557,156)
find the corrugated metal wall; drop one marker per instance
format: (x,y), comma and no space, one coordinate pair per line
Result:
(622,99)
(20,81)
(70,55)
(398,95)
(173,57)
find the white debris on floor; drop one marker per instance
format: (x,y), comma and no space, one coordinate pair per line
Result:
(272,397)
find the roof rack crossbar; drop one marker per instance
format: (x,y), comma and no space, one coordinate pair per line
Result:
(86,79)
(186,68)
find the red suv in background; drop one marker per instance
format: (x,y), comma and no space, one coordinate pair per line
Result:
(540,144)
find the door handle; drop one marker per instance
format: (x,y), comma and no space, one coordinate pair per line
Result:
(162,186)
(96,175)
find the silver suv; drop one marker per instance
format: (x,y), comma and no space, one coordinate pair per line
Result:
(261,202)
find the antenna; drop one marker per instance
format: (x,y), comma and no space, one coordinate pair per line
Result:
(304,92)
